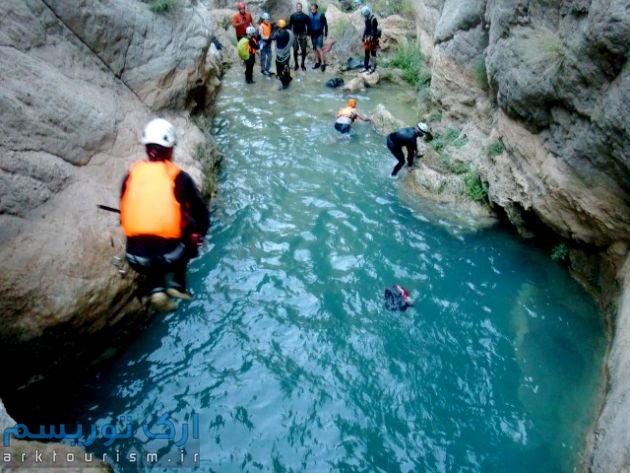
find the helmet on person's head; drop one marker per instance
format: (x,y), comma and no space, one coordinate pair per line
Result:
(250,31)
(281,23)
(159,132)
(241,5)
(352,103)
(422,128)
(265,16)
(365,11)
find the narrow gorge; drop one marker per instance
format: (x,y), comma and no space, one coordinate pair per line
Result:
(546,81)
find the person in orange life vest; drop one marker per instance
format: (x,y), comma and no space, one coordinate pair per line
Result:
(250,62)
(163,217)
(347,116)
(264,33)
(241,20)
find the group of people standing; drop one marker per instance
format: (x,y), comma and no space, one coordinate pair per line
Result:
(288,37)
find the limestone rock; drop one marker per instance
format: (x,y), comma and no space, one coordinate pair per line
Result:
(78,81)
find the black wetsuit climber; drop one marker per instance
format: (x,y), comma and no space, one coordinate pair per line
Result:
(403,138)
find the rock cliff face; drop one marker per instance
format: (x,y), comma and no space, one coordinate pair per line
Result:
(78,80)
(550,80)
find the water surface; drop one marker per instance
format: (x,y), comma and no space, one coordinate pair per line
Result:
(288,354)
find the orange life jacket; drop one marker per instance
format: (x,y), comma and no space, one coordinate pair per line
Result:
(346,112)
(265,30)
(347,115)
(148,206)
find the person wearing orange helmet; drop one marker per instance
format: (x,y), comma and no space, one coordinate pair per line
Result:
(163,216)
(347,116)
(284,43)
(241,20)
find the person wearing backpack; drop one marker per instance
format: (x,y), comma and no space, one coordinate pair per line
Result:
(247,47)
(371,35)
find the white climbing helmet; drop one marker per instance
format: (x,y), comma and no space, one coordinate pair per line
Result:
(265,16)
(365,11)
(251,31)
(422,127)
(160,132)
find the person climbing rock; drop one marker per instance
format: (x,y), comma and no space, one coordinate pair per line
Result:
(406,138)
(163,217)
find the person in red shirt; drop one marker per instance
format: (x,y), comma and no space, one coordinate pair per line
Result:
(241,20)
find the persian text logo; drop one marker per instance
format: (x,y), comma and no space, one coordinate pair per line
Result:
(125,446)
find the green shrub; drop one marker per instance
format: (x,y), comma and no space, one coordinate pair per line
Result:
(384,8)
(164,6)
(435,116)
(475,188)
(560,252)
(541,49)
(496,148)
(451,137)
(409,60)
(480,73)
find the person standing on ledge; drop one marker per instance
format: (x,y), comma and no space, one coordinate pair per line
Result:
(370,40)
(163,217)
(241,20)
(284,43)
(406,138)
(298,23)
(318,31)
(247,47)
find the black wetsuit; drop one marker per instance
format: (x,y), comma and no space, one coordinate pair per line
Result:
(394,300)
(396,141)
(370,40)
(298,23)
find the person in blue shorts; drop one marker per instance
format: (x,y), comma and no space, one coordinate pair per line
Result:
(318,31)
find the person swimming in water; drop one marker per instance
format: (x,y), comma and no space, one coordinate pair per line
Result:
(347,116)
(397,298)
